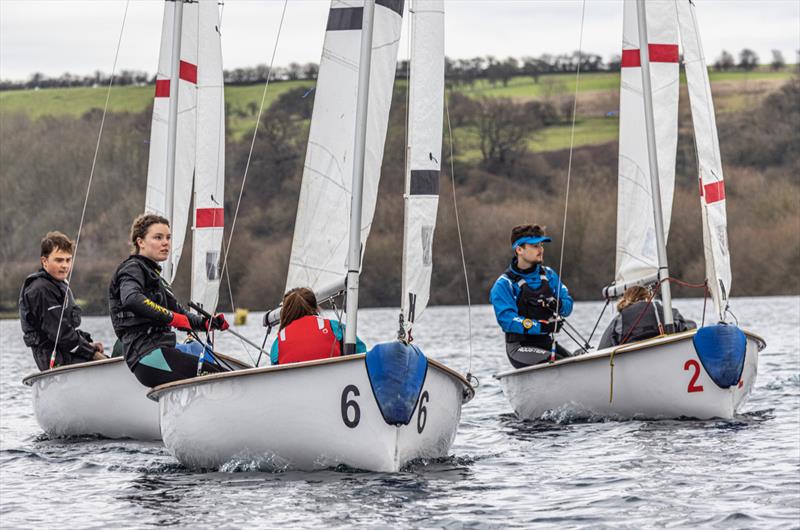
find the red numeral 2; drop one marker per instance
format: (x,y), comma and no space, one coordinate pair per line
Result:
(693,387)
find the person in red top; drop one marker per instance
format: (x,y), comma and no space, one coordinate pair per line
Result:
(304,335)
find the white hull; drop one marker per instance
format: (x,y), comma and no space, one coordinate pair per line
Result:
(296,417)
(98,397)
(656,378)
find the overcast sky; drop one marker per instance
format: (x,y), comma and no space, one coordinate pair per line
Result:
(80,36)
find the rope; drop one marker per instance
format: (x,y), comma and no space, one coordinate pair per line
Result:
(253,140)
(89,186)
(569,172)
(460,241)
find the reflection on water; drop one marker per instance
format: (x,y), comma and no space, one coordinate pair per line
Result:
(503,472)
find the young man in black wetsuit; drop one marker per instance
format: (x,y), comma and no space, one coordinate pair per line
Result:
(44,319)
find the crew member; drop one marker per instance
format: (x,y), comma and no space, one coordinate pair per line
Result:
(529,299)
(304,335)
(144,311)
(638,318)
(42,313)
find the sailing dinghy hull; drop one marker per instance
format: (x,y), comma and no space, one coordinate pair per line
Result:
(94,398)
(658,378)
(305,416)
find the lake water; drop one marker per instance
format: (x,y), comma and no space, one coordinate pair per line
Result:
(502,472)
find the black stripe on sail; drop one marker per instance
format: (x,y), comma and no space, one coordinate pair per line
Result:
(345,18)
(424,182)
(394,5)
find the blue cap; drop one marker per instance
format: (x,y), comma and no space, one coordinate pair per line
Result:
(531,240)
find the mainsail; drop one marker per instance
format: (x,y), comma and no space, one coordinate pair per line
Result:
(636,256)
(321,232)
(209,176)
(200,138)
(711,183)
(426,97)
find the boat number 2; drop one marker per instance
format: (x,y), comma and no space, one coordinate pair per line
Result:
(350,404)
(693,386)
(422,415)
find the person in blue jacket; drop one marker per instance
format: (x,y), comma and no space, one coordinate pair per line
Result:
(529,300)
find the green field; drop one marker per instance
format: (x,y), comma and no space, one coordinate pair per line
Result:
(243,101)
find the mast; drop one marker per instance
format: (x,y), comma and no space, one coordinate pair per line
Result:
(172,133)
(661,244)
(354,249)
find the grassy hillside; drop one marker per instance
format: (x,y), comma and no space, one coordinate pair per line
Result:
(598,96)
(47,147)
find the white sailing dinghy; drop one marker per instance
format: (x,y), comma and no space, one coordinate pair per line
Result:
(705,373)
(187,141)
(374,411)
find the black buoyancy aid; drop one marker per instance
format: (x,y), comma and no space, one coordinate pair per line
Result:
(532,304)
(31,327)
(648,326)
(154,288)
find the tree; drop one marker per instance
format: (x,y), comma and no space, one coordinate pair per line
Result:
(725,62)
(748,59)
(504,128)
(778,62)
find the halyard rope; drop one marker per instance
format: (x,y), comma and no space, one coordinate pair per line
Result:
(460,241)
(89,186)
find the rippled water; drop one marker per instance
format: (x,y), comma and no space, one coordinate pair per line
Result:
(503,472)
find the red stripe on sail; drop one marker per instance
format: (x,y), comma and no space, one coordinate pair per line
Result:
(659,53)
(188,72)
(714,192)
(209,218)
(162,88)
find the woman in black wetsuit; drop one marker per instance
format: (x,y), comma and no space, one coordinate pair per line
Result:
(144,311)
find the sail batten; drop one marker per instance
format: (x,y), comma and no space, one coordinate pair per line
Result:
(425,117)
(321,233)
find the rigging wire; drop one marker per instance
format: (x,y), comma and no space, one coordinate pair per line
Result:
(253,140)
(460,241)
(89,185)
(569,163)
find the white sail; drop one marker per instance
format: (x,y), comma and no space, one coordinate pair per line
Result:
(209,176)
(426,99)
(321,232)
(636,256)
(155,200)
(711,182)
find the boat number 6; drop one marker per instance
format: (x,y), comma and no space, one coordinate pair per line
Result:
(693,386)
(422,415)
(348,404)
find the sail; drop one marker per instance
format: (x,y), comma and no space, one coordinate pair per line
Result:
(155,197)
(426,99)
(637,256)
(321,232)
(711,183)
(209,174)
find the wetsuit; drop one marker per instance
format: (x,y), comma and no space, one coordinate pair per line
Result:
(142,306)
(639,321)
(521,299)
(40,303)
